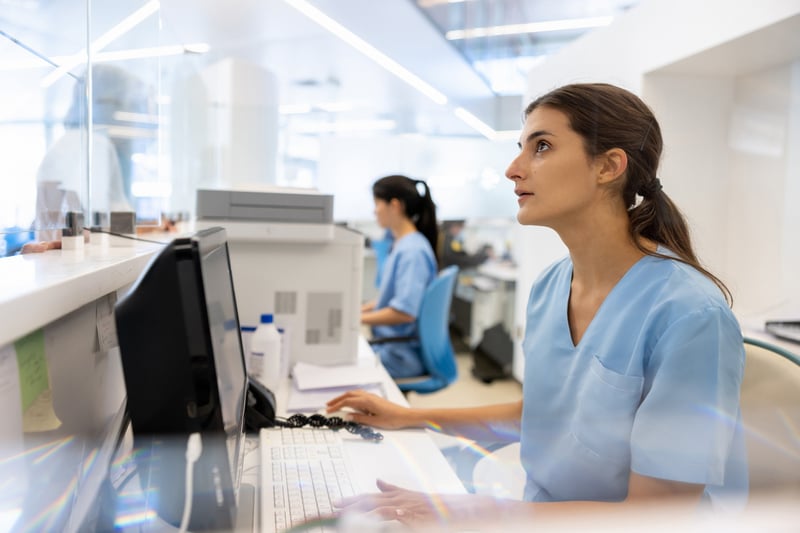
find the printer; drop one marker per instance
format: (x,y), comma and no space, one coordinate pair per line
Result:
(288,258)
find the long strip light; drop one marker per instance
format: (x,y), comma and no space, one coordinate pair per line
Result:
(530,27)
(118,55)
(126,25)
(155,51)
(471,120)
(483,128)
(367,49)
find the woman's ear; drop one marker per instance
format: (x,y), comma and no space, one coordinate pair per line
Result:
(613,164)
(396,205)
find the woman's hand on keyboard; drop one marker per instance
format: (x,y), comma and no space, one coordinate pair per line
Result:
(371,410)
(416,509)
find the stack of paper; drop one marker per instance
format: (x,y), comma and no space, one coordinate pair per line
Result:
(307,376)
(314,385)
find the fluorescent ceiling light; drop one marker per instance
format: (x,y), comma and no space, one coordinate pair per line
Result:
(130,132)
(156,51)
(128,116)
(475,122)
(530,27)
(367,49)
(133,53)
(127,24)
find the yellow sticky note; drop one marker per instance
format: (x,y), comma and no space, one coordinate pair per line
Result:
(32,365)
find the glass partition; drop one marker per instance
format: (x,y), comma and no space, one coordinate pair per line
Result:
(80,131)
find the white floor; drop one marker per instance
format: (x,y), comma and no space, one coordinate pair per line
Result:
(469,391)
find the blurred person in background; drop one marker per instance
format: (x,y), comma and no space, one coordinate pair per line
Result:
(119,100)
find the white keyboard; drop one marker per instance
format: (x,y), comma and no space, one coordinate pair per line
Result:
(303,472)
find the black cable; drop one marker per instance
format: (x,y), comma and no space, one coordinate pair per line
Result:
(335,423)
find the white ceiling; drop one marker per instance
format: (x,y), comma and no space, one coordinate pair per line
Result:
(312,66)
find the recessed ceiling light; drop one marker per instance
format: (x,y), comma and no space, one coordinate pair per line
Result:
(530,27)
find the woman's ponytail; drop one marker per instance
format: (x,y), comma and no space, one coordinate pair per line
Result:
(426,217)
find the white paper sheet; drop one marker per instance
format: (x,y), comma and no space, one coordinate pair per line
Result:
(12,461)
(307,376)
(10,400)
(313,400)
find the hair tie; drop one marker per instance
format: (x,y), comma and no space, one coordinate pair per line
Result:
(649,188)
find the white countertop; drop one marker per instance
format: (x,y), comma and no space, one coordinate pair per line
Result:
(36,289)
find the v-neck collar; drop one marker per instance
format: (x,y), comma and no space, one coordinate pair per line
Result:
(565,310)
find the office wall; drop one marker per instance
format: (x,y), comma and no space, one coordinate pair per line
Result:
(695,167)
(728,164)
(762,239)
(723,80)
(466,176)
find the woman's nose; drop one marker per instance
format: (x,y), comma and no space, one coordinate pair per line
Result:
(511,171)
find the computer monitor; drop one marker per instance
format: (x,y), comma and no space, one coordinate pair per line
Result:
(178,331)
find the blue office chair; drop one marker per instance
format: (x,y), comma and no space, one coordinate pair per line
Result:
(433,327)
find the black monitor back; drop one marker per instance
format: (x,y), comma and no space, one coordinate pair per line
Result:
(178,331)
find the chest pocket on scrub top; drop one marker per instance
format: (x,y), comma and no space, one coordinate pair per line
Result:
(606,406)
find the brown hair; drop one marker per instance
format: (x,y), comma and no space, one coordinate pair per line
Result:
(609,117)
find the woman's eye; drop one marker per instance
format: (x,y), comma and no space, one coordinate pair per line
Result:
(542,146)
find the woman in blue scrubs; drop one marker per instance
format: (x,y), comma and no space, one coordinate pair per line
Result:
(633,359)
(405,208)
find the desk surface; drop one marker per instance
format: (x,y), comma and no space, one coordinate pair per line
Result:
(498,270)
(407,458)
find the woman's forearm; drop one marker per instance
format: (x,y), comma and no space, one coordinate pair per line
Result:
(385,316)
(495,423)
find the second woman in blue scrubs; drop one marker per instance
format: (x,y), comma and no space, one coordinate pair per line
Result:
(403,206)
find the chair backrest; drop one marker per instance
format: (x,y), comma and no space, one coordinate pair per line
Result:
(433,325)
(770,401)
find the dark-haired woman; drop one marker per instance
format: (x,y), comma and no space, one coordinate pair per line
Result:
(633,358)
(403,206)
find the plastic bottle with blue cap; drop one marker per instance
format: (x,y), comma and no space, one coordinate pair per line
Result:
(265,353)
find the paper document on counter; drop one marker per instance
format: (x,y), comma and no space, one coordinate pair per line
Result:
(315,399)
(307,376)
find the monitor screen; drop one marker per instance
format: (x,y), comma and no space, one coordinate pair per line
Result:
(178,331)
(226,338)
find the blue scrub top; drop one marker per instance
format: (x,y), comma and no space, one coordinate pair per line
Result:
(407,272)
(652,387)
